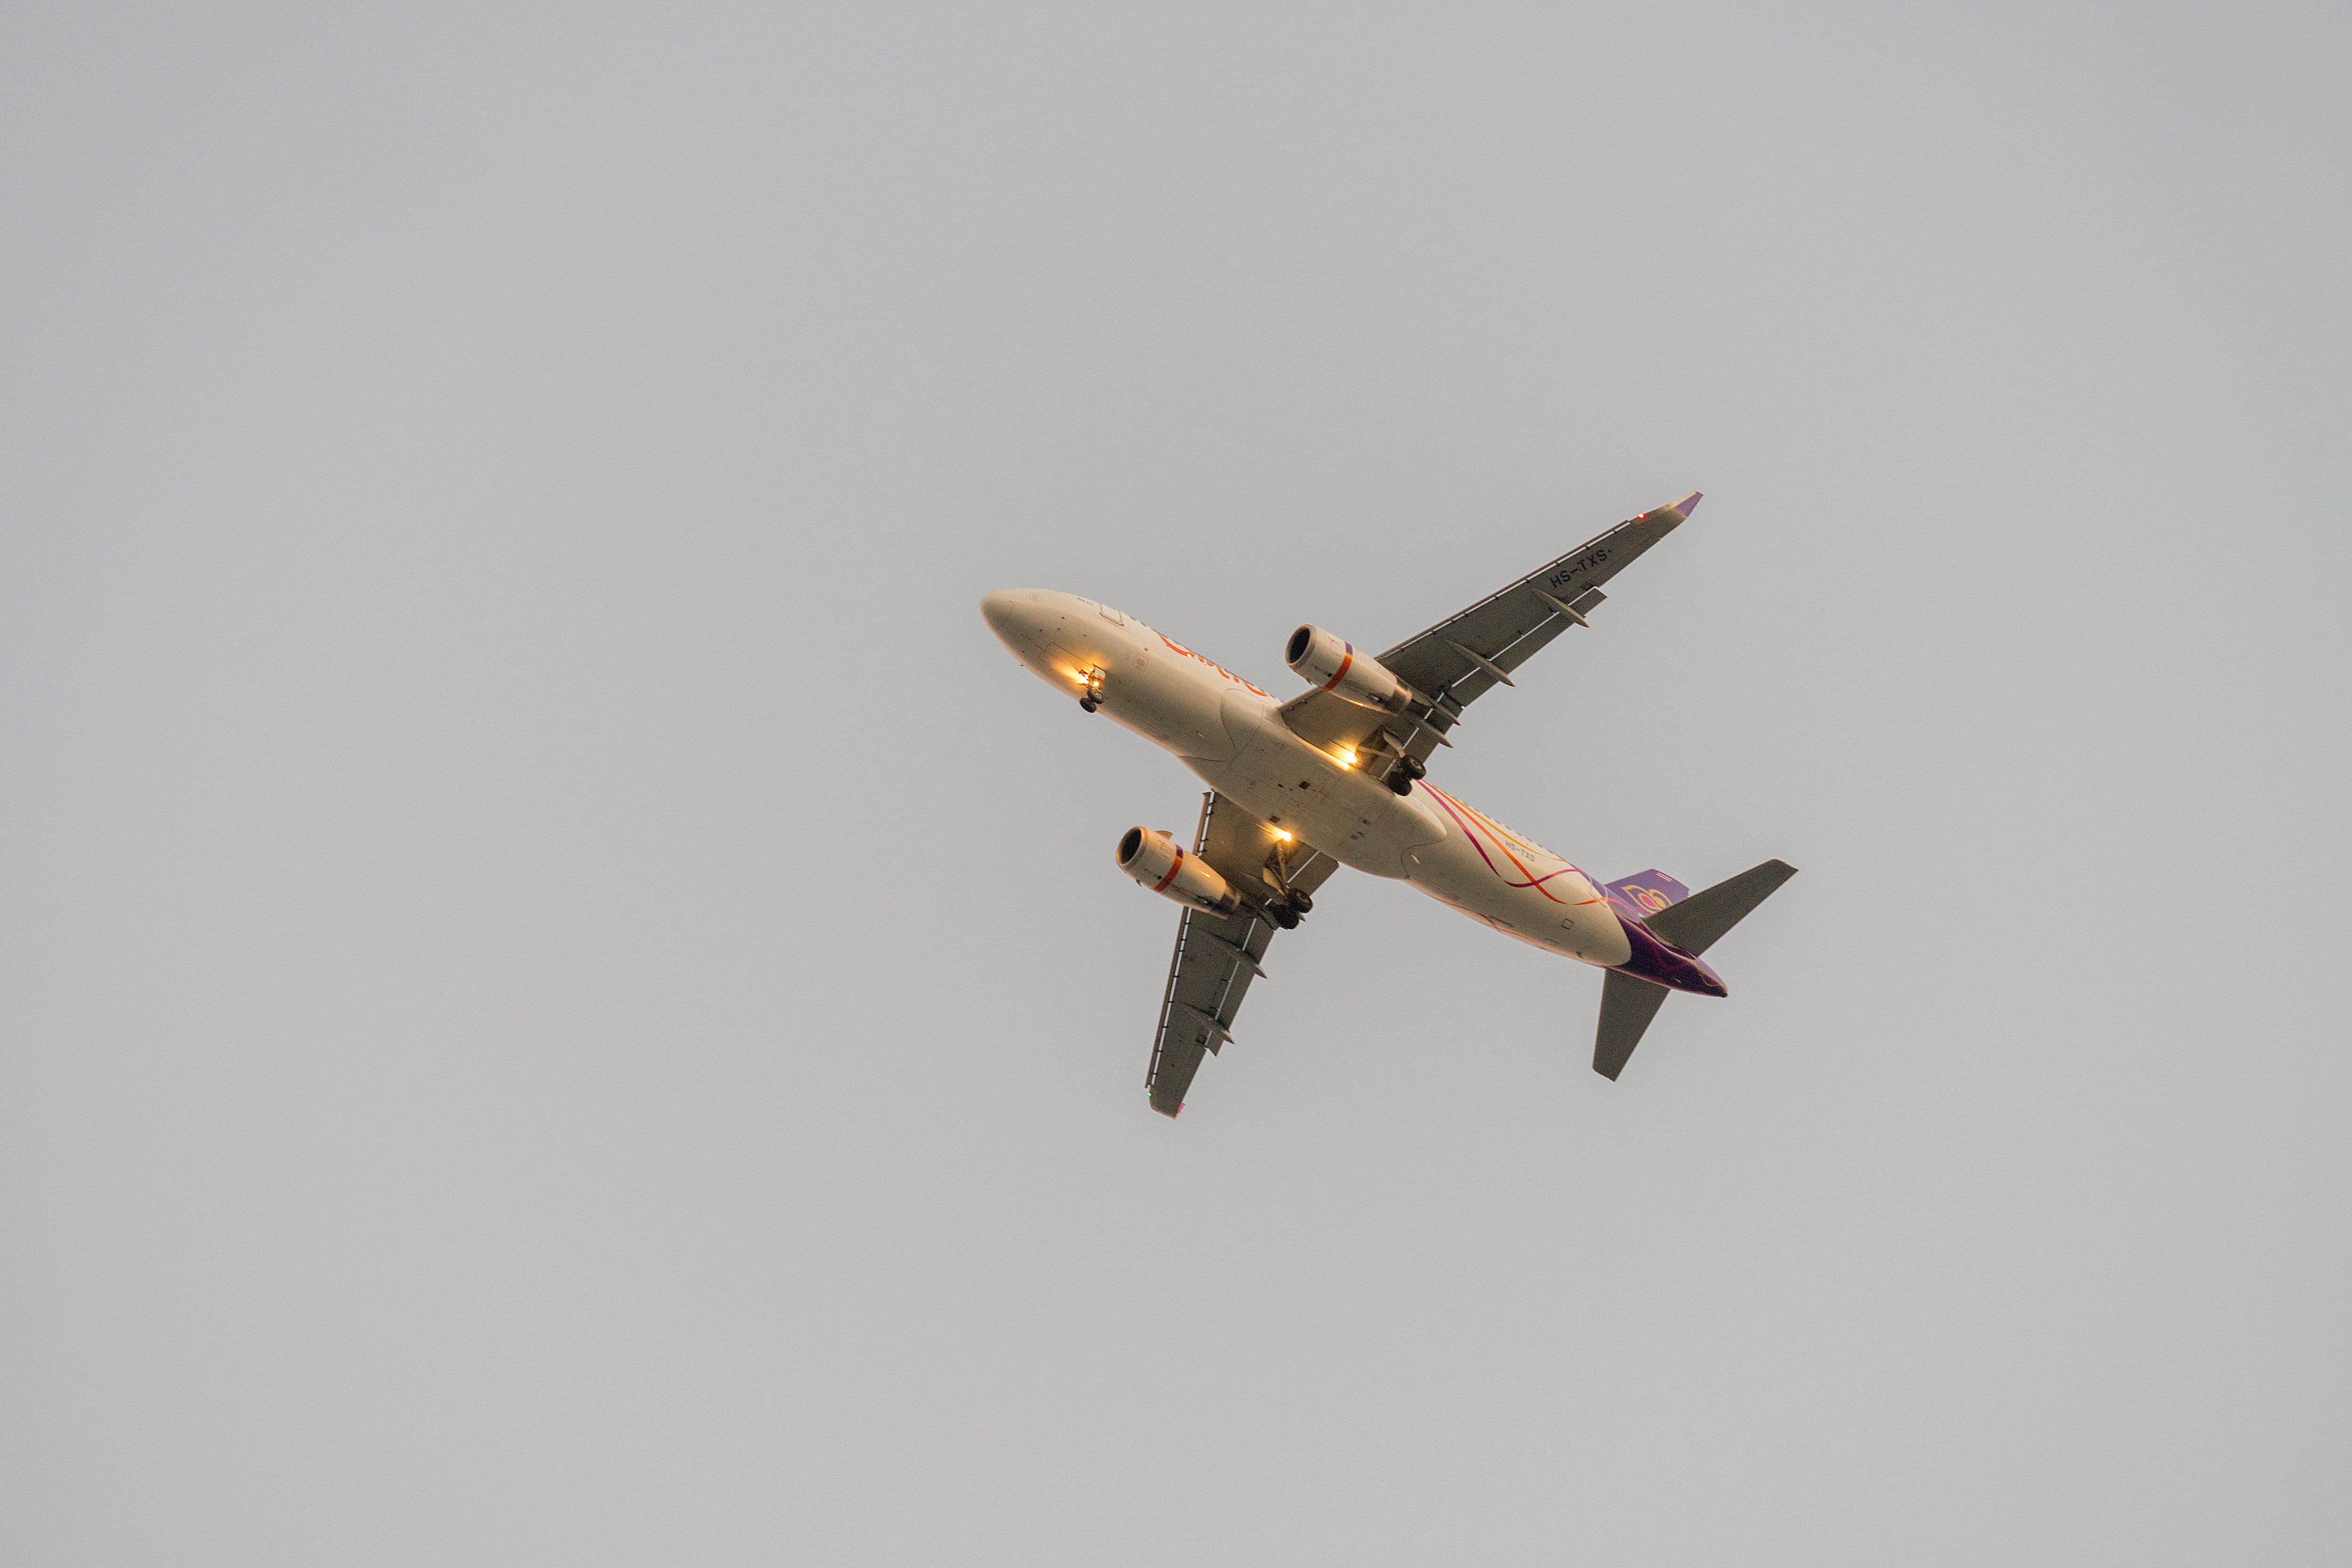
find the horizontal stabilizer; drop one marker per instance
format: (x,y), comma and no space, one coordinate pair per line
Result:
(1694,924)
(1627,1006)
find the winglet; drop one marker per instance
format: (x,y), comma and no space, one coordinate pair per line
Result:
(1678,512)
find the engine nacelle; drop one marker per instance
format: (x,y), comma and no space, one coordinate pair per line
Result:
(1153,860)
(1339,670)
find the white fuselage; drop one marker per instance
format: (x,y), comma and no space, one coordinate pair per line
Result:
(1232,734)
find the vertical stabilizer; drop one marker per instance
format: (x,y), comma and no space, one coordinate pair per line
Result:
(1646,891)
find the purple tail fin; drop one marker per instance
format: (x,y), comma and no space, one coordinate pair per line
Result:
(1645,892)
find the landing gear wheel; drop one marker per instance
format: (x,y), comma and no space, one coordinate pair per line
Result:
(1413,768)
(1284,916)
(1400,783)
(1088,703)
(1301,902)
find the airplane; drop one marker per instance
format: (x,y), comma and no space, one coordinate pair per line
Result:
(1337,776)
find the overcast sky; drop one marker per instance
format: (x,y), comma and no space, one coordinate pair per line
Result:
(565,1003)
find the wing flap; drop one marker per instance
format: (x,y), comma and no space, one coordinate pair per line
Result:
(1218,956)
(1509,626)
(1461,658)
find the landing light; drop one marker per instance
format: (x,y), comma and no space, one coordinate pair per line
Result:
(1278,833)
(1347,758)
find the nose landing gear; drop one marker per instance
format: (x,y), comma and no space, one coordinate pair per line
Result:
(1091,698)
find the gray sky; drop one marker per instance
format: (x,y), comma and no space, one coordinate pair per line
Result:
(565,1003)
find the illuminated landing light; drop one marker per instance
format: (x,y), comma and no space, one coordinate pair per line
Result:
(1347,758)
(1278,833)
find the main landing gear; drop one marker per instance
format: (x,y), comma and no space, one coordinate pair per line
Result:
(1288,903)
(1401,776)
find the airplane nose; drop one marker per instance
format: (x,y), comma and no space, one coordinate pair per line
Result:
(1002,611)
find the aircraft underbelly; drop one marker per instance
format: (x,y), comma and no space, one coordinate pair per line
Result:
(1167,700)
(1351,817)
(1540,900)
(1238,745)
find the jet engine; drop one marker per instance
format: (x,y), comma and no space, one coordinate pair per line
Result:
(1339,670)
(1153,860)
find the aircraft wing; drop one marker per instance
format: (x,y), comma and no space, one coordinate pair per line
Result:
(1217,956)
(1463,656)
